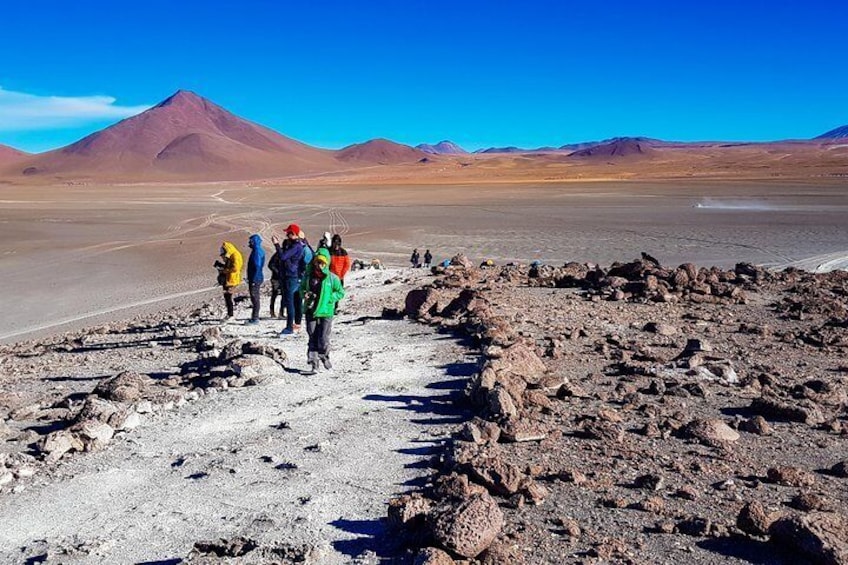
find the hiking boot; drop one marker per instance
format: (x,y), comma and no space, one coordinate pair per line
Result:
(327,364)
(312,370)
(251,322)
(296,327)
(287,331)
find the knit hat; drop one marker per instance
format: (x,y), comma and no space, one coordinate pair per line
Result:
(327,237)
(322,256)
(293,229)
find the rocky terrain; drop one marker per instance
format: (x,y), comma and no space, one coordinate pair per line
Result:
(637,414)
(626,414)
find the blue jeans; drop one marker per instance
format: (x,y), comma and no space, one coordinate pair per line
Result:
(294,303)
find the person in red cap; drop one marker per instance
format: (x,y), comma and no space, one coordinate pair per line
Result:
(291,260)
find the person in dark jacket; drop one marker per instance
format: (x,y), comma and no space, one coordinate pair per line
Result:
(415,259)
(255,275)
(428,258)
(278,280)
(291,259)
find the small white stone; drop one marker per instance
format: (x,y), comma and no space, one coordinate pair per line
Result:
(24,472)
(144,407)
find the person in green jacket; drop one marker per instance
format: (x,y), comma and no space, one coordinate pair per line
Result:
(321,290)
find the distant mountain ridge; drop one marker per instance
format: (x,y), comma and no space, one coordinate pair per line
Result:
(187,137)
(838,133)
(10,154)
(442,148)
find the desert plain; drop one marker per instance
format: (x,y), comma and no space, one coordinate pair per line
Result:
(75,252)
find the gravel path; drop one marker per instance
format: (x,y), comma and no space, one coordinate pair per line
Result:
(299,460)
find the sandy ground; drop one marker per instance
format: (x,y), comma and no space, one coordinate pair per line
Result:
(303,460)
(76,254)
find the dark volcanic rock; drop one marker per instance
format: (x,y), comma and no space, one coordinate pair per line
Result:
(466,527)
(125,387)
(821,537)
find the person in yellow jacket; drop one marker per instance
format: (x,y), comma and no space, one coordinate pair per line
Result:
(229,273)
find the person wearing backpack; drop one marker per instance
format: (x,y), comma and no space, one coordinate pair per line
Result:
(293,269)
(321,291)
(308,253)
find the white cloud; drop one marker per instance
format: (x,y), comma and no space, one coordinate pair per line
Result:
(20,111)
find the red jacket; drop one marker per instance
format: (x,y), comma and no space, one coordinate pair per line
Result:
(339,263)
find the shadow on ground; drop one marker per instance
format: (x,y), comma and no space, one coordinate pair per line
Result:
(447,407)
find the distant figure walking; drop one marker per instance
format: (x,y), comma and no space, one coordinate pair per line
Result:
(278,280)
(291,259)
(255,275)
(229,273)
(415,259)
(428,259)
(321,291)
(339,259)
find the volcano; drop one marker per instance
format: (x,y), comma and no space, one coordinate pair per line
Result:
(617,148)
(188,137)
(380,152)
(442,148)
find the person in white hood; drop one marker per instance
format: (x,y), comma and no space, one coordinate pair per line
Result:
(326,240)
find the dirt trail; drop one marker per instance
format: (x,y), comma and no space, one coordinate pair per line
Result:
(298,459)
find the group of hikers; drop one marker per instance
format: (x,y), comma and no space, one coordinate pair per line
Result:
(308,281)
(416,259)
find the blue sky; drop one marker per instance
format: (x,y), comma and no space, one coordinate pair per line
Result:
(480,73)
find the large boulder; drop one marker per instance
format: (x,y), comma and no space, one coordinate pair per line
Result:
(821,537)
(56,444)
(94,434)
(789,476)
(233,349)
(486,465)
(754,520)
(775,409)
(461,304)
(710,431)
(466,527)
(421,301)
(253,369)
(461,260)
(408,510)
(273,352)
(500,404)
(433,556)
(211,338)
(97,408)
(124,387)
(519,360)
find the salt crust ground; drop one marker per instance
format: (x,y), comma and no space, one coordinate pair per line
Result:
(300,459)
